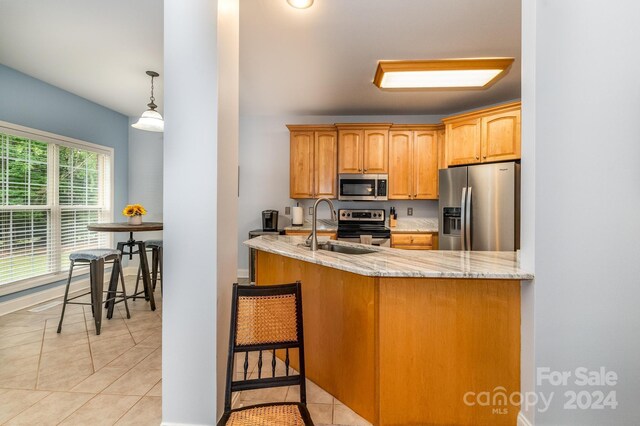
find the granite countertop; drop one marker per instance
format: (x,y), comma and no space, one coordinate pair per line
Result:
(389,262)
(407,225)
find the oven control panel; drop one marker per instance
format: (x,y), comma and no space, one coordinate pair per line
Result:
(372,215)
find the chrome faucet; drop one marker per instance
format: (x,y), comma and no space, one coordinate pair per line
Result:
(312,240)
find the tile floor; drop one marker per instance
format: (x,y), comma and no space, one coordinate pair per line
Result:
(78,378)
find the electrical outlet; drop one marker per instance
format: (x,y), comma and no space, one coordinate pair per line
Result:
(310,211)
(410,211)
(287,211)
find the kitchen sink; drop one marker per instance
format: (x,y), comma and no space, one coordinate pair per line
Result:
(345,249)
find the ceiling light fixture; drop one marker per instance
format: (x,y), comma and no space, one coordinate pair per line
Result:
(300,4)
(440,73)
(151,120)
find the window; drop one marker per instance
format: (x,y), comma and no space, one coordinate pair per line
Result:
(51,188)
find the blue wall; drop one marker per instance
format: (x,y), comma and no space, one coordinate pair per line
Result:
(33,103)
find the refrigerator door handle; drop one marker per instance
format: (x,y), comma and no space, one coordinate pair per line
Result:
(463,208)
(467,216)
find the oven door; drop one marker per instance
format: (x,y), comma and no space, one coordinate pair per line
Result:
(357,187)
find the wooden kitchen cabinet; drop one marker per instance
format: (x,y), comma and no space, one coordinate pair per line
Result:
(484,136)
(415,241)
(413,163)
(363,148)
(333,235)
(463,142)
(501,136)
(442,150)
(313,162)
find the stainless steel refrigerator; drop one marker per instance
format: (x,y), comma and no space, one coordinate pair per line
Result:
(480,207)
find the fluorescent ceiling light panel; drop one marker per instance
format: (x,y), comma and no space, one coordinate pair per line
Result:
(443,73)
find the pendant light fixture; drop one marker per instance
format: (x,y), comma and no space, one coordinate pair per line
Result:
(151,120)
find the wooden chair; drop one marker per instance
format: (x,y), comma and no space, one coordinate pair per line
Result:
(266,318)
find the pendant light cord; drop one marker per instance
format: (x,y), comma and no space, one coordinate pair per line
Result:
(152,104)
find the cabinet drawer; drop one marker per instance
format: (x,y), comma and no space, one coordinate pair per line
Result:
(411,240)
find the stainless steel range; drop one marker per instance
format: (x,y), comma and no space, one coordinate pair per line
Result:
(363,226)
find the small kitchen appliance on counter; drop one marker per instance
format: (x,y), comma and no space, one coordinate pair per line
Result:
(270,220)
(363,226)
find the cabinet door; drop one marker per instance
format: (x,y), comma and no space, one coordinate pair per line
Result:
(301,165)
(425,165)
(442,150)
(325,160)
(463,142)
(376,151)
(501,136)
(350,151)
(400,173)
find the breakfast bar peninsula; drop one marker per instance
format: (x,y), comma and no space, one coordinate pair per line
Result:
(406,337)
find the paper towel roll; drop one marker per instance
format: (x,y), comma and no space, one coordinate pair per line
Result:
(297,218)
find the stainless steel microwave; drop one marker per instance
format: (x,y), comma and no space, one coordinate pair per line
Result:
(352,187)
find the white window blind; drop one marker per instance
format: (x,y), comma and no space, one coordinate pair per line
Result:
(49,192)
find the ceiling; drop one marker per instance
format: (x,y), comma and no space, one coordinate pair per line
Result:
(96,49)
(322,60)
(315,61)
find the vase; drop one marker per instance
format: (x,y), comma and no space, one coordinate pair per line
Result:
(135,220)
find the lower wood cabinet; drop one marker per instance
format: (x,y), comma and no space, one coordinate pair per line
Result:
(415,241)
(333,235)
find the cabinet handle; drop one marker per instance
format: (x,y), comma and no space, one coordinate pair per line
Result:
(484,156)
(477,158)
(365,170)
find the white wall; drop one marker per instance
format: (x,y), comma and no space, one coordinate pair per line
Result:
(264,170)
(587,198)
(145,177)
(228,129)
(190,212)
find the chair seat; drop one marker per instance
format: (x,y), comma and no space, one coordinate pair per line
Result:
(153,243)
(93,254)
(277,414)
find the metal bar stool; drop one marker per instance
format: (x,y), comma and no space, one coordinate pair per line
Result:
(156,266)
(95,259)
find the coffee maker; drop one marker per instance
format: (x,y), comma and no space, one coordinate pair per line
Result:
(270,220)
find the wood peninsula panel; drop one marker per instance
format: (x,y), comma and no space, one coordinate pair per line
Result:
(404,351)
(441,338)
(339,330)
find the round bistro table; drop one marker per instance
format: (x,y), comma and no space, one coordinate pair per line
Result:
(141,252)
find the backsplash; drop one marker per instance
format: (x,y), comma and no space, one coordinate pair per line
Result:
(422,209)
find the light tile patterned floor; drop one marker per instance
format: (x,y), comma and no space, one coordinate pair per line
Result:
(78,378)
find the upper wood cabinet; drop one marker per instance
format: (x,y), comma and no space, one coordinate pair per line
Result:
(487,135)
(413,163)
(312,162)
(350,151)
(363,148)
(501,136)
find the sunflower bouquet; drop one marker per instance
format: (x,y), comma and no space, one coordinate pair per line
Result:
(134,210)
